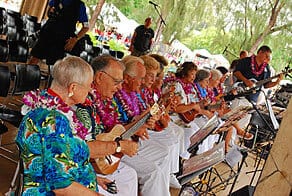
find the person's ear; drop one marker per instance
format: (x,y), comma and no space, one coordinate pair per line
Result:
(97,78)
(71,89)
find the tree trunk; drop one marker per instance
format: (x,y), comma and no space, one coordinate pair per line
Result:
(275,12)
(95,14)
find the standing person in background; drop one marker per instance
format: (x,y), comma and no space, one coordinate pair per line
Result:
(58,33)
(243,54)
(142,39)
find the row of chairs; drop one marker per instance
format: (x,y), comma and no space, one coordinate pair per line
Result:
(17,32)
(25,77)
(16,26)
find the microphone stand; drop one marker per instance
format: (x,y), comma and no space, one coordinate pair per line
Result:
(160,25)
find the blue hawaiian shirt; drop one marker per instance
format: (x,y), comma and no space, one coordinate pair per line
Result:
(53,157)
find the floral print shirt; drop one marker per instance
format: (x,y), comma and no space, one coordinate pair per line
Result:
(53,155)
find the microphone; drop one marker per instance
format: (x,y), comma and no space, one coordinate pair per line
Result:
(155,4)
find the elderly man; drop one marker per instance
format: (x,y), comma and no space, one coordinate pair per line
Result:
(152,161)
(100,114)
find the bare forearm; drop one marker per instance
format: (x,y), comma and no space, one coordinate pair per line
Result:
(75,189)
(101,148)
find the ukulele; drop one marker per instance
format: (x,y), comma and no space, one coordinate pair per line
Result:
(190,115)
(109,164)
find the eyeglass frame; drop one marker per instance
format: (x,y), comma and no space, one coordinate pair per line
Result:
(116,81)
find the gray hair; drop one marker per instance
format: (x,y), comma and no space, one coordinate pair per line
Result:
(71,69)
(130,63)
(215,74)
(101,63)
(201,75)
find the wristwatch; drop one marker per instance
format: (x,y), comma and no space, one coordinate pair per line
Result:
(119,148)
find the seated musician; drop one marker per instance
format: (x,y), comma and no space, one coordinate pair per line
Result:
(152,161)
(165,132)
(54,156)
(256,67)
(183,84)
(169,99)
(214,90)
(100,114)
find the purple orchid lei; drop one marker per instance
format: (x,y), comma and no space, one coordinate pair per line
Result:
(254,67)
(130,102)
(49,100)
(107,110)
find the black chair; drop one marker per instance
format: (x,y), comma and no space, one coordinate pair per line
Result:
(96,51)
(4,88)
(4,80)
(113,53)
(120,54)
(18,51)
(3,18)
(27,77)
(4,50)
(14,34)
(14,19)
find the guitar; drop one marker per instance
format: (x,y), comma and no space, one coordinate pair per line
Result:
(109,164)
(257,84)
(190,115)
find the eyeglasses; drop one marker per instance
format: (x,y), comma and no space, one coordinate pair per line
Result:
(116,81)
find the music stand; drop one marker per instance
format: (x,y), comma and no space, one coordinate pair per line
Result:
(198,164)
(203,133)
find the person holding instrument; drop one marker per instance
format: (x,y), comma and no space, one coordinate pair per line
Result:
(256,67)
(54,155)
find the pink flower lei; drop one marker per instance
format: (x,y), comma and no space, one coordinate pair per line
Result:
(51,101)
(188,87)
(106,109)
(147,94)
(254,67)
(129,101)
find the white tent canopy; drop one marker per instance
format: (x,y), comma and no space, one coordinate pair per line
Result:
(113,17)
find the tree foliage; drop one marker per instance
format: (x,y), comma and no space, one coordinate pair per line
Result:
(220,24)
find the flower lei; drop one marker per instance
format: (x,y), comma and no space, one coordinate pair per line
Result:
(147,94)
(51,101)
(188,87)
(106,109)
(254,68)
(129,101)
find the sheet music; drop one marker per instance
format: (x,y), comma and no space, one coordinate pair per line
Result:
(203,132)
(272,115)
(196,165)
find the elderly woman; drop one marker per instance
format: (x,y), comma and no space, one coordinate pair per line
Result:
(55,158)
(183,84)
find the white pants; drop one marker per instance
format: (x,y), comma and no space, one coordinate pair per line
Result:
(152,166)
(167,138)
(189,130)
(126,180)
(180,135)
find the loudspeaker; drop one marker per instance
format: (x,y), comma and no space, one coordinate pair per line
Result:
(244,191)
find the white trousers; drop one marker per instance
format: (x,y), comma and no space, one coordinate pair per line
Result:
(152,166)
(126,180)
(167,138)
(189,130)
